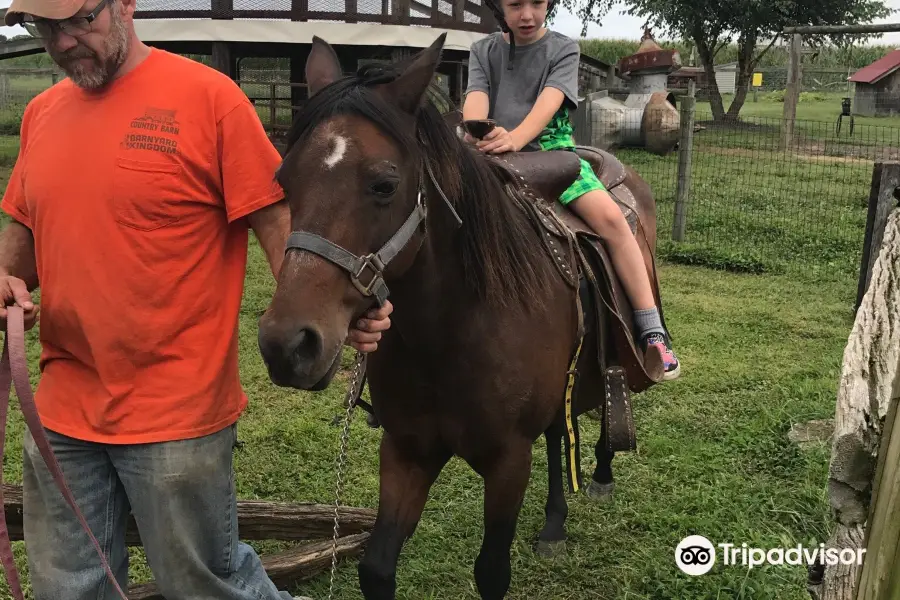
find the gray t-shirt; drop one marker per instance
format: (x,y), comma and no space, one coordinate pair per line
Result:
(551,61)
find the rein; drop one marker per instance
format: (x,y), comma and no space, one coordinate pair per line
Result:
(14,370)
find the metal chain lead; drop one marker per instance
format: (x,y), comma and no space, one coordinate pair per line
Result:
(350,401)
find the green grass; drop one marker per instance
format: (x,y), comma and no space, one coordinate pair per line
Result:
(757,208)
(9,151)
(759,353)
(813,106)
(816,120)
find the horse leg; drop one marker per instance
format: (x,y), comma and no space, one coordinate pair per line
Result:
(505,481)
(552,539)
(404,485)
(602,485)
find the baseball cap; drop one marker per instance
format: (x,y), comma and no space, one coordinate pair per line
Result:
(48,9)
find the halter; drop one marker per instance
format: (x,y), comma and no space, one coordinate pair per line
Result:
(375,263)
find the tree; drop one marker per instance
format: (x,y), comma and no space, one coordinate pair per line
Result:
(713,24)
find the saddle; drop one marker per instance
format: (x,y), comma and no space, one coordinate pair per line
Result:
(582,259)
(549,173)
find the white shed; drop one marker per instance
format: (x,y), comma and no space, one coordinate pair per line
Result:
(726,77)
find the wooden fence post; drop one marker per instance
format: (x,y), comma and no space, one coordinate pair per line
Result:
(221,58)
(863,484)
(273,104)
(792,92)
(880,578)
(582,122)
(882,199)
(685,153)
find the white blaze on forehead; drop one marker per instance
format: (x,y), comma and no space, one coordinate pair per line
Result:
(337,145)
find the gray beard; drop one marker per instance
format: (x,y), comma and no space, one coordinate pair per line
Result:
(117,45)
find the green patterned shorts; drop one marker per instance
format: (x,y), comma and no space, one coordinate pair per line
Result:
(558,136)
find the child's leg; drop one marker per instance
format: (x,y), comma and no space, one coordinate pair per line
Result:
(599,210)
(587,198)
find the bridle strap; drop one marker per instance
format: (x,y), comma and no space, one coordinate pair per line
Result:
(376,263)
(356,265)
(14,369)
(400,239)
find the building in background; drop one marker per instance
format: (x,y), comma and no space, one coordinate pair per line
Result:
(877,87)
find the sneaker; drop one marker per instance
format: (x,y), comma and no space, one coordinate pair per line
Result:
(670,362)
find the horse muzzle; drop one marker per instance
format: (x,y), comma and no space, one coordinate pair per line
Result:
(297,358)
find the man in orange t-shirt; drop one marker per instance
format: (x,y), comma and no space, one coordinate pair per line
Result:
(137,180)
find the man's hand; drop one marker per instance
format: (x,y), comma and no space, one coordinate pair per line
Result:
(14,291)
(498,141)
(367,332)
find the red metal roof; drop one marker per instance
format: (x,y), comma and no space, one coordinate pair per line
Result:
(878,69)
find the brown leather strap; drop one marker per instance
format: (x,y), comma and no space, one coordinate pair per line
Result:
(14,369)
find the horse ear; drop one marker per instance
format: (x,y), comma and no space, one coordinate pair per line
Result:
(322,66)
(409,88)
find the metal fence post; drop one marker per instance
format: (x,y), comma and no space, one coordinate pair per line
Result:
(685,152)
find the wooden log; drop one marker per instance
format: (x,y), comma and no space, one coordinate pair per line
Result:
(870,379)
(257,520)
(285,568)
(263,520)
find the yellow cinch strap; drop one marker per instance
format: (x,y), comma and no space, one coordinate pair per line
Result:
(570,427)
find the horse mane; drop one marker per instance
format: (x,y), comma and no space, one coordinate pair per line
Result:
(503,259)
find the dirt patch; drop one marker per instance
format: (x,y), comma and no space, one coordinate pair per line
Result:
(737,126)
(812,432)
(811,157)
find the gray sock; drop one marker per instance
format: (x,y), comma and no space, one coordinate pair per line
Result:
(648,321)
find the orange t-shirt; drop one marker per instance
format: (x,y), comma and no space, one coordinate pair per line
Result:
(135,198)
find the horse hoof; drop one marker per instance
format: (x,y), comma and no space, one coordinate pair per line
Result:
(601,492)
(372,421)
(550,549)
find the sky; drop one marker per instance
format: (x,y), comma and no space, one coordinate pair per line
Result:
(617,24)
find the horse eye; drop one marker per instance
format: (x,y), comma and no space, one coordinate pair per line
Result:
(384,188)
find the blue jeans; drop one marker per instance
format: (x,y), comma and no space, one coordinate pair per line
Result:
(183,499)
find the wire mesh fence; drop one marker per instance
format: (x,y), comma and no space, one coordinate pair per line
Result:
(756,197)
(267,83)
(17,88)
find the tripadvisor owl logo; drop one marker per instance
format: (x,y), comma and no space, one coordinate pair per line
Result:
(696,555)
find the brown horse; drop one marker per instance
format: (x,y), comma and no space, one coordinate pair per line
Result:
(484,327)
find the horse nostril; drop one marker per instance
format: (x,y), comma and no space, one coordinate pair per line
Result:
(307,346)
